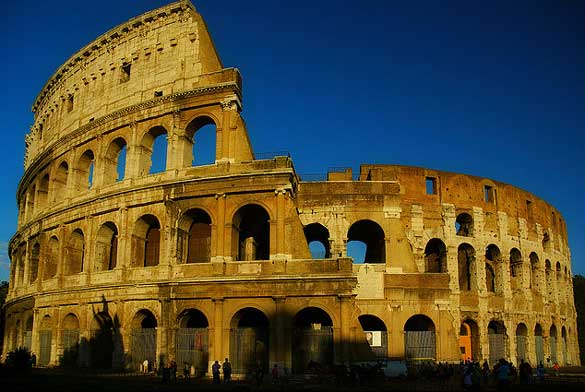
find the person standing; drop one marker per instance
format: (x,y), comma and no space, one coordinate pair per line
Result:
(503,375)
(186,371)
(227,371)
(215,371)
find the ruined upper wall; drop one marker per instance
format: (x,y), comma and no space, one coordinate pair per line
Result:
(467,191)
(396,186)
(156,54)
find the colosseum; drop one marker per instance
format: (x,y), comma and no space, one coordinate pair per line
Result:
(116,260)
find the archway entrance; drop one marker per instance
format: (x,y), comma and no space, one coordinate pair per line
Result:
(46,340)
(497,341)
(312,340)
(375,334)
(70,340)
(191,340)
(521,342)
(553,344)
(143,341)
(469,340)
(101,344)
(539,344)
(249,340)
(419,339)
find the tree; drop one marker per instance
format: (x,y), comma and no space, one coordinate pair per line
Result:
(579,293)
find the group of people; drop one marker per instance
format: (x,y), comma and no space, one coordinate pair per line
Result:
(226,367)
(503,374)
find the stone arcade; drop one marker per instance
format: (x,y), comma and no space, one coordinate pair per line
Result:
(114,264)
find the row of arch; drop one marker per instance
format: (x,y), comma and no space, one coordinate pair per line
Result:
(251,242)
(464,226)
(312,331)
(251,223)
(119,161)
(495,268)
(533,347)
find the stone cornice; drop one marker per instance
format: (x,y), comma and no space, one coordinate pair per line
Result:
(31,167)
(108,40)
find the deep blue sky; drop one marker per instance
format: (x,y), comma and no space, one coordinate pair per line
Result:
(492,89)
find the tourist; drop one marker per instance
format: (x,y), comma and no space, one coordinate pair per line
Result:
(227,371)
(540,372)
(502,371)
(275,374)
(215,372)
(186,371)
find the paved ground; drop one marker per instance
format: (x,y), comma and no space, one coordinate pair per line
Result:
(49,380)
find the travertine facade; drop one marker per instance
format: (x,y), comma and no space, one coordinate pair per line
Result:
(221,260)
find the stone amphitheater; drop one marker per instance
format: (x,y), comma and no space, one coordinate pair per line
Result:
(116,261)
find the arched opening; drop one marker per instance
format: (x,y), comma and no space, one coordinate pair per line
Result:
(74,253)
(549,278)
(101,344)
(85,171)
(493,259)
(15,334)
(70,340)
(202,132)
(249,340)
(372,236)
(467,268)
(106,247)
(30,202)
(60,182)
(464,225)
(51,258)
(490,278)
(521,343)
(143,338)
(546,242)
(28,330)
(317,237)
(34,262)
(20,264)
(497,341)
(564,353)
(516,269)
(436,256)
(419,339)
(539,344)
(376,335)
(559,276)
(45,340)
(43,192)
(553,344)
(312,339)
(146,242)
(191,340)
(114,162)
(535,274)
(194,237)
(153,151)
(251,230)
(469,340)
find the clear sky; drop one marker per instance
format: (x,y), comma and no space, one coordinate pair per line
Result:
(494,89)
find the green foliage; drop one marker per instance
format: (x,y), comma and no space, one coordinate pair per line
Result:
(579,293)
(3,291)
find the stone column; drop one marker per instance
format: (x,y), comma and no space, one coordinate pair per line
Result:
(216,351)
(279,331)
(221,242)
(345,304)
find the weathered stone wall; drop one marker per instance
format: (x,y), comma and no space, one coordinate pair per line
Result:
(98,241)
